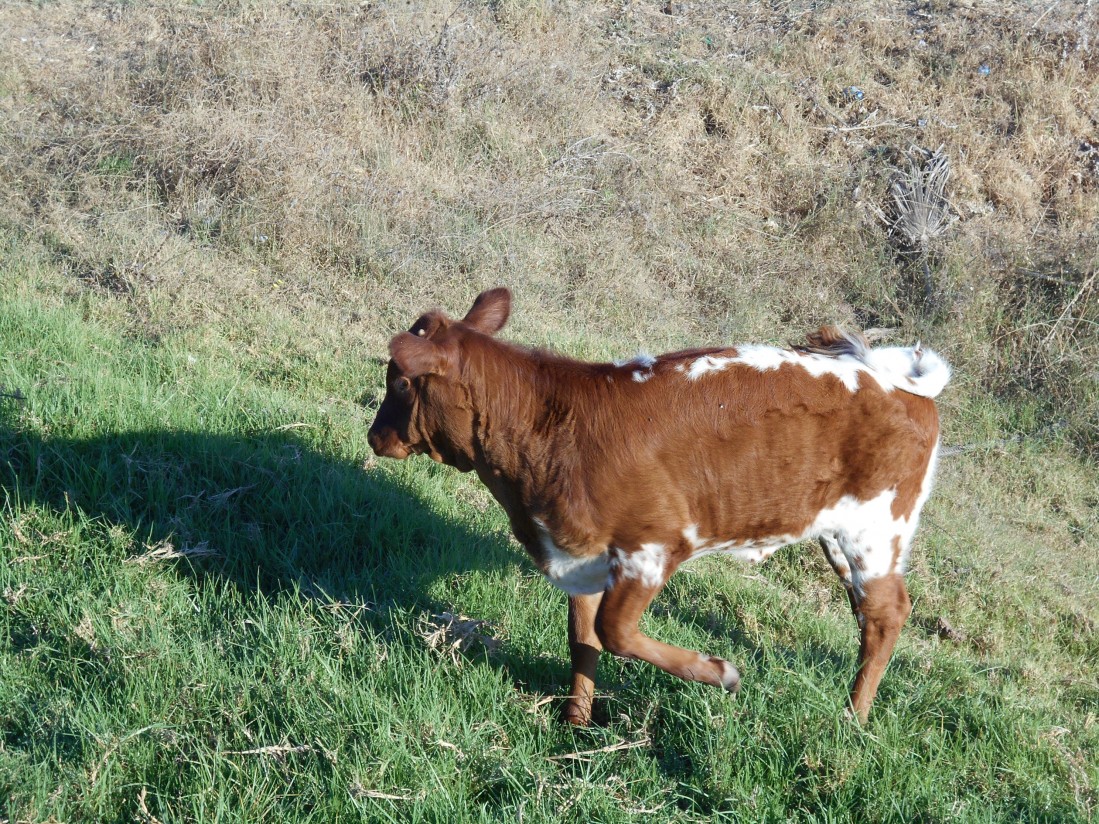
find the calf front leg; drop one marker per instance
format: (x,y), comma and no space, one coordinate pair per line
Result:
(584,649)
(627,597)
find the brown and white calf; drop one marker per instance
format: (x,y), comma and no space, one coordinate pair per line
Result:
(615,474)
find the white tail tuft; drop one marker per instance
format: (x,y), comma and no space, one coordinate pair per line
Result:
(914,369)
(909,368)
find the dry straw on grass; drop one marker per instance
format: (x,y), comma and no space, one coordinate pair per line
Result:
(455,635)
(167,551)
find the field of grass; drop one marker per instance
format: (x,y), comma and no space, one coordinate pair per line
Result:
(216,605)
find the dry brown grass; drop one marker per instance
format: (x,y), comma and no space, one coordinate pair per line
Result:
(639,178)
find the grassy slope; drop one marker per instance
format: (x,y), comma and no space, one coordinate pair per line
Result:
(306,628)
(189,386)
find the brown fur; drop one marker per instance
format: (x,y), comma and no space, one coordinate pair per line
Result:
(833,341)
(584,649)
(598,460)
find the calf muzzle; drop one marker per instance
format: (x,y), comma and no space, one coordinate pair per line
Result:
(386,444)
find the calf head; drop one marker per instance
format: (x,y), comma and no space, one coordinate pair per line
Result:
(427,407)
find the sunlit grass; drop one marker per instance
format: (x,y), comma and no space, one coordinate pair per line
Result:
(286,670)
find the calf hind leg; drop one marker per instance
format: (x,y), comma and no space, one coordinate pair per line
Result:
(882,610)
(619,613)
(880,605)
(842,568)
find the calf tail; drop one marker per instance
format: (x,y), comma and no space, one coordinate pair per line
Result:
(835,342)
(913,369)
(922,371)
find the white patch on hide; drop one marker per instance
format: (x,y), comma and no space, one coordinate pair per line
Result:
(913,369)
(706,364)
(576,576)
(911,521)
(645,564)
(641,359)
(865,532)
(766,358)
(743,550)
(860,537)
(642,364)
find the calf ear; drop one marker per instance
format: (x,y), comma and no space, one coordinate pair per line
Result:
(416,356)
(490,311)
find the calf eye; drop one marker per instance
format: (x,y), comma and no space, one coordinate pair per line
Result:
(402,385)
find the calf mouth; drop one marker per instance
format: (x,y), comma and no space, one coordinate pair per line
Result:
(386,444)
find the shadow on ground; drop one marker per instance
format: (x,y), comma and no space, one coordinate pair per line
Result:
(280,517)
(267,514)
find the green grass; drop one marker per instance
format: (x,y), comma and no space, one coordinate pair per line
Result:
(288,676)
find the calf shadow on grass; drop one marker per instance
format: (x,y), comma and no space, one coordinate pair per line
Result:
(268,514)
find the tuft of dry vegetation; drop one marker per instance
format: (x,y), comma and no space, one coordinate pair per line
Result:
(920,211)
(452,635)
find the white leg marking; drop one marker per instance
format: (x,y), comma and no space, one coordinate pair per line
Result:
(730,677)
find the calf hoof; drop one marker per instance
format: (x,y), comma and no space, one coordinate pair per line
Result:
(730,677)
(575,713)
(861,717)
